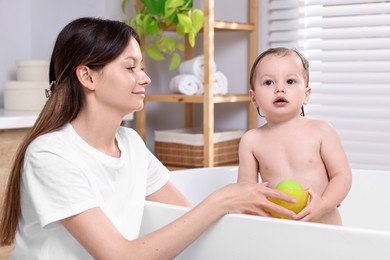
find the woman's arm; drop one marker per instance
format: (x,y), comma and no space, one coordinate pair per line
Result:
(169,194)
(100,238)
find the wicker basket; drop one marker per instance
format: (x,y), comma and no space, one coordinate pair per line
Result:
(184,147)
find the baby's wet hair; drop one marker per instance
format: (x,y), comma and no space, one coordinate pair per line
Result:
(279,51)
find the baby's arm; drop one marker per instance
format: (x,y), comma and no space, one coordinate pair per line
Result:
(248,166)
(337,165)
(339,173)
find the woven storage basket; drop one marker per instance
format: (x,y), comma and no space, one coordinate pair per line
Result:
(184,147)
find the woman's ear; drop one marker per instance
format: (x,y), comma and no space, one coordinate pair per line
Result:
(84,75)
(307,95)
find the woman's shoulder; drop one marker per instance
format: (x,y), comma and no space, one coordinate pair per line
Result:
(52,139)
(58,143)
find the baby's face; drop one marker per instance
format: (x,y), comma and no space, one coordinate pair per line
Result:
(280,85)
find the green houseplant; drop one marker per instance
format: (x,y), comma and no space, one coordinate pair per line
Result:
(154,18)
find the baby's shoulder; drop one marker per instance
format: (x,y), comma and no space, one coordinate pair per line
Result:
(319,126)
(254,132)
(318,123)
(251,135)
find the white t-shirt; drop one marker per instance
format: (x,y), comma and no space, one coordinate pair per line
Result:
(64,176)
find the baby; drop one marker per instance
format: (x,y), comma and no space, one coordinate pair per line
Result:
(288,145)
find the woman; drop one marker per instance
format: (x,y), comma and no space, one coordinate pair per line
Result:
(79,180)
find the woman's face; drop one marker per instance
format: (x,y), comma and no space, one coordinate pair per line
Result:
(120,85)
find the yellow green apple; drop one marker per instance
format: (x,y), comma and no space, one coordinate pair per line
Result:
(294,189)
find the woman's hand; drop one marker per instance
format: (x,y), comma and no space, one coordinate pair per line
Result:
(252,198)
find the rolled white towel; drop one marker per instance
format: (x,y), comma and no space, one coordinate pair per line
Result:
(195,66)
(186,84)
(220,86)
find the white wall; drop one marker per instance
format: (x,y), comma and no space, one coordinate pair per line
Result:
(49,17)
(15,31)
(28,29)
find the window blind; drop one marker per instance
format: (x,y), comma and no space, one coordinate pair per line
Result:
(347,43)
(284,24)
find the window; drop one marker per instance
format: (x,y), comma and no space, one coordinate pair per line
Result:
(347,43)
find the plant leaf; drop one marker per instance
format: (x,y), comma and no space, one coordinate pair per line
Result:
(138,19)
(166,44)
(197,18)
(170,44)
(157,14)
(179,31)
(174,3)
(180,46)
(123,6)
(188,4)
(155,7)
(191,38)
(151,26)
(185,21)
(175,61)
(154,53)
(171,6)
(138,24)
(170,19)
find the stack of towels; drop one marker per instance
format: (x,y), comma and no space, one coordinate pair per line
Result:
(190,80)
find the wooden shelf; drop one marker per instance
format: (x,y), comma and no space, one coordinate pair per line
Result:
(179,98)
(233,26)
(208,100)
(224,26)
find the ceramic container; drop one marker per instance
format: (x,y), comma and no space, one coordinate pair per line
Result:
(25,95)
(32,70)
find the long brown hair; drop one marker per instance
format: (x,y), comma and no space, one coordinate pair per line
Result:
(86,41)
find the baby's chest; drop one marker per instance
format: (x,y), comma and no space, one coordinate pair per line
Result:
(295,155)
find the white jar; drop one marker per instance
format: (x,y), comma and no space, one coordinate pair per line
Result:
(32,70)
(25,95)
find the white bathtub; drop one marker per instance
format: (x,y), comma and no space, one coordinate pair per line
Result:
(365,234)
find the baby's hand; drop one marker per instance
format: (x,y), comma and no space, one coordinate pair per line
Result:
(314,209)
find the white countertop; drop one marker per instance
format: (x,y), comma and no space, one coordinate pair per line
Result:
(17,119)
(25,119)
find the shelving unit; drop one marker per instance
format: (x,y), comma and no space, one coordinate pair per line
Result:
(208,99)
